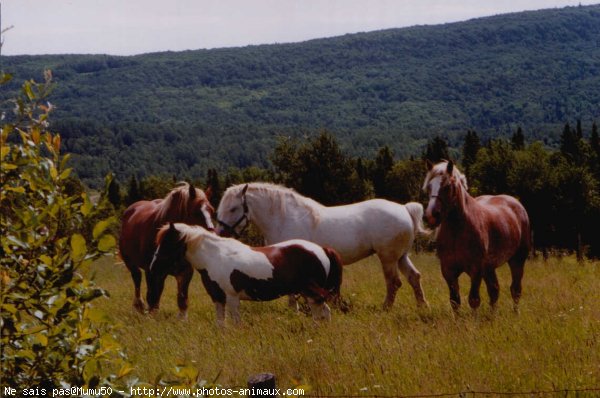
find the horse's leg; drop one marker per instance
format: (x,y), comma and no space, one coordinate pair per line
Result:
(414,278)
(220,308)
(136,275)
(233,305)
(183,284)
(392,280)
(451,277)
(517,265)
(155,285)
(474,298)
(491,283)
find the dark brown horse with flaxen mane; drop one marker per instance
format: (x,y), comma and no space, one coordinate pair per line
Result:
(476,235)
(140,224)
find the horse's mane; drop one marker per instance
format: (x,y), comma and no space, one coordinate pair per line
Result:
(279,193)
(178,199)
(187,232)
(440,169)
(161,234)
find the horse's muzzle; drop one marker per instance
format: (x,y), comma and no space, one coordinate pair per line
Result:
(223,232)
(433,219)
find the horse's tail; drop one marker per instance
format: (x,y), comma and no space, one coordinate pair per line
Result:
(334,279)
(415,210)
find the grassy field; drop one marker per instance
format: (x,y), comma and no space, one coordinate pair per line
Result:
(552,344)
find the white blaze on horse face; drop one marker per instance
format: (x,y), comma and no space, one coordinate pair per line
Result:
(311,247)
(434,190)
(207,218)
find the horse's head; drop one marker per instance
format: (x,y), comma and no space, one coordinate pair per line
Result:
(169,255)
(232,213)
(200,211)
(443,183)
(189,205)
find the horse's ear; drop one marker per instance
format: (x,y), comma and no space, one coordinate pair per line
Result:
(429,164)
(450,167)
(244,189)
(208,192)
(192,192)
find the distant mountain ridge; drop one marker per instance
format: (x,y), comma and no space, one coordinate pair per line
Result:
(181,112)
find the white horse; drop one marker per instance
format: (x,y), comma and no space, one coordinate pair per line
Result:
(232,271)
(355,231)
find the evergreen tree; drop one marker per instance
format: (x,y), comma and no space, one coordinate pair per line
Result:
(569,144)
(134,193)
(212,182)
(114,193)
(579,130)
(595,140)
(437,150)
(384,161)
(518,140)
(470,148)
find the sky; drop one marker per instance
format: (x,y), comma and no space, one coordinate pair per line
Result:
(128,27)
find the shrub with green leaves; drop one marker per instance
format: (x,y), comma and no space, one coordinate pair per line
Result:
(51,232)
(49,236)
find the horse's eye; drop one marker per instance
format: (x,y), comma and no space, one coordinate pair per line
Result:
(233,210)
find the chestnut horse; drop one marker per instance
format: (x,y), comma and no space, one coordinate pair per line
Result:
(140,224)
(232,271)
(475,235)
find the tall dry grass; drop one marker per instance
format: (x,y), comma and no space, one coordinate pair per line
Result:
(552,344)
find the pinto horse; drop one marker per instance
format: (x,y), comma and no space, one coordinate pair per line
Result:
(140,224)
(232,271)
(355,231)
(476,235)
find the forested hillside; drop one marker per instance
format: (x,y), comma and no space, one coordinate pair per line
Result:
(180,113)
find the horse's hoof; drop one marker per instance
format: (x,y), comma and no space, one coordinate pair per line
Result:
(183,316)
(139,307)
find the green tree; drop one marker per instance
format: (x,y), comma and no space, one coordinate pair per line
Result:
(518,140)
(214,183)
(404,181)
(134,193)
(155,187)
(320,170)
(114,193)
(530,180)
(285,161)
(489,173)
(570,145)
(384,161)
(51,334)
(471,146)
(437,150)
(595,140)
